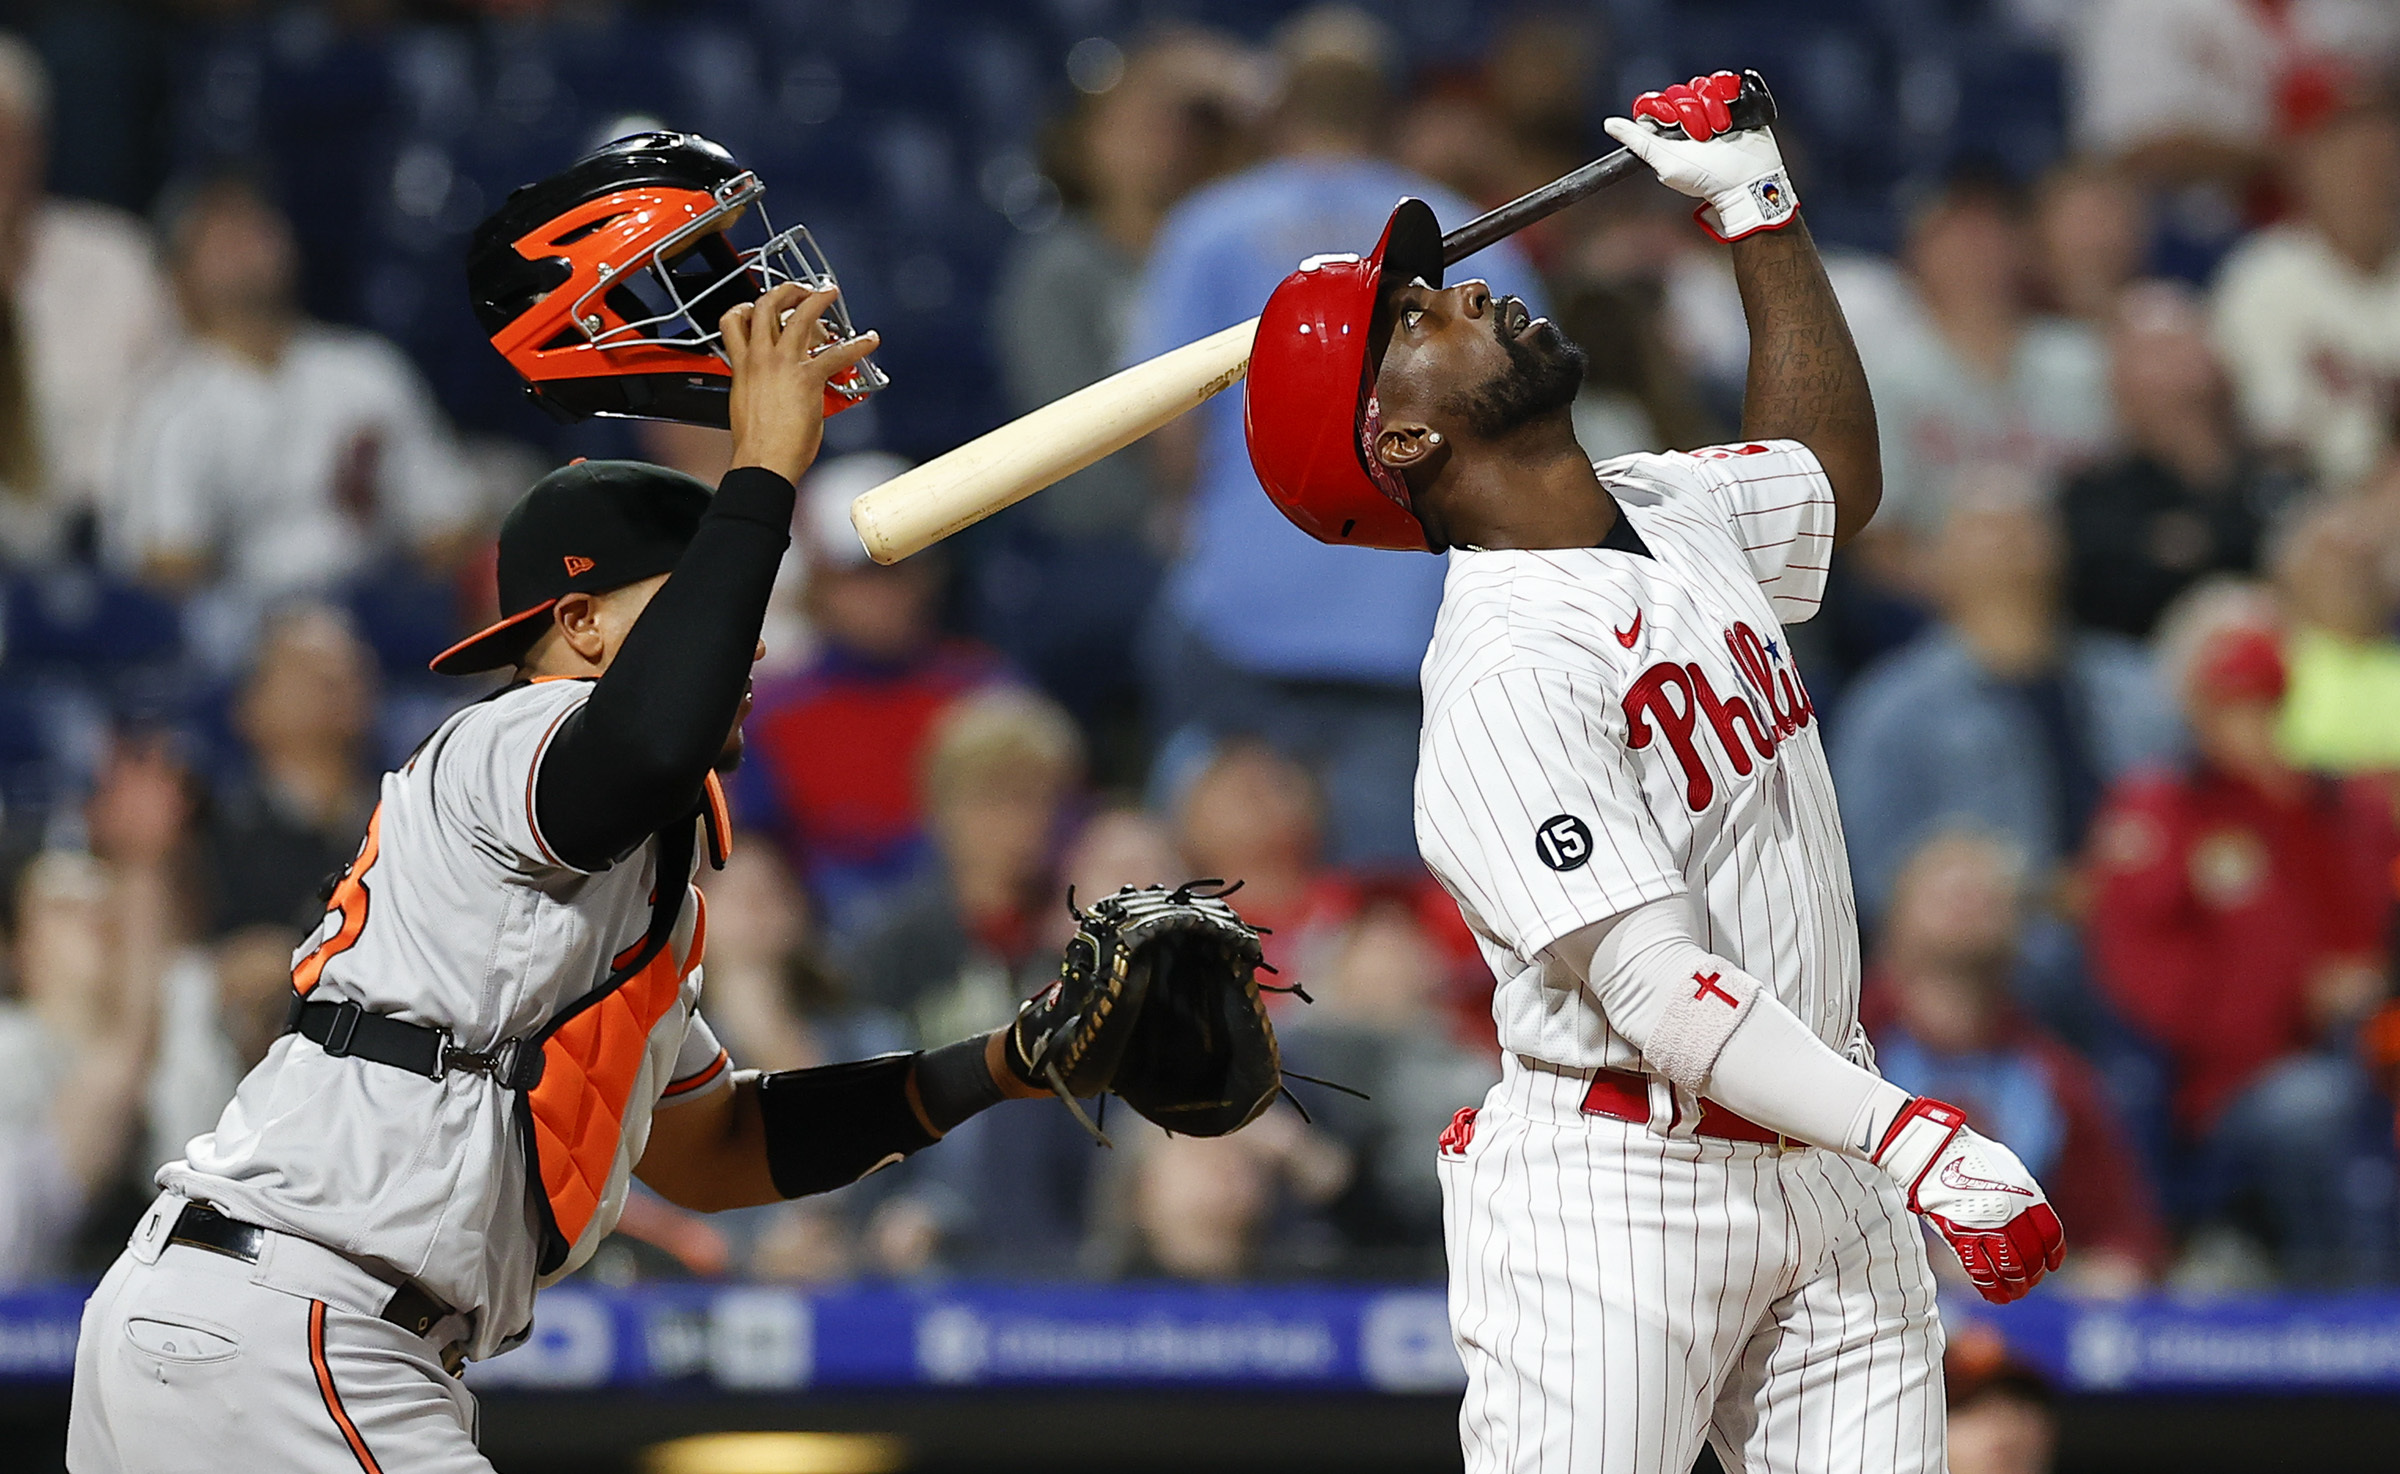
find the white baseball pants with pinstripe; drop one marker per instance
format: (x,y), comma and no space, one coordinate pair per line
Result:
(1618,1295)
(194,1362)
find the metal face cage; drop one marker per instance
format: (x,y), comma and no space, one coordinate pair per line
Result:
(673,294)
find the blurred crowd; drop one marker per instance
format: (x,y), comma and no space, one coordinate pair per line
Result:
(2112,686)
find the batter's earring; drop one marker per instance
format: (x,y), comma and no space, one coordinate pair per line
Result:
(1433,437)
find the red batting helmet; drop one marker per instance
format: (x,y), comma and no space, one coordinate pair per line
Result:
(1308,409)
(602,285)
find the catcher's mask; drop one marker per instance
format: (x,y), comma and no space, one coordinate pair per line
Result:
(602,285)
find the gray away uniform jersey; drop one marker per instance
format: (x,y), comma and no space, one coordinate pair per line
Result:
(456,915)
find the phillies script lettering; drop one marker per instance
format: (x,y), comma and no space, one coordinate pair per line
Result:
(1673,698)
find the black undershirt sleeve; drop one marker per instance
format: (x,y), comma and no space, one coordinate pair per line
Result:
(631,760)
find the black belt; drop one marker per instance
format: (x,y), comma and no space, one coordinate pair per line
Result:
(345,1030)
(203,1227)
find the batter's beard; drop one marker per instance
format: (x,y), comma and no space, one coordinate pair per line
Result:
(1543,377)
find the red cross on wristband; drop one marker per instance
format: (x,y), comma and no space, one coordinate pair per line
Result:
(1708,989)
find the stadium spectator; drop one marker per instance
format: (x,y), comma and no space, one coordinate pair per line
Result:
(1229,1208)
(2308,312)
(1062,583)
(1065,297)
(272,453)
(997,777)
(778,1003)
(1945,1026)
(935,1213)
(2199,91)
(956,954)
(293,813)
(1521,117)
(1452,134)
(221,1005)
(1636,395)
(836,749)
(2091,229)
(775,999)
(1972,377)
(2334,571)
(2001,1416)
(1263,631)
(2238,917)
(1377,1026)
(91,938)
(1117,847)
(84,316)
(1253,815)
(2187,496)
(2002,715)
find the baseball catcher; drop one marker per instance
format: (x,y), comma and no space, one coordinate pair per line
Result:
(495,1026)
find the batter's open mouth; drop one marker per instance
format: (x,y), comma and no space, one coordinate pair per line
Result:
(1515,317)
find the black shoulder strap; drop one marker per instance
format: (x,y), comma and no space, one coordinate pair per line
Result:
(670,878)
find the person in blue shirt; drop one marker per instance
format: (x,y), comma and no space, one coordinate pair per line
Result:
(1261,631)
(2002,714)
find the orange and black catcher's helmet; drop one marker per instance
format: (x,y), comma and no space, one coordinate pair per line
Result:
(602,285)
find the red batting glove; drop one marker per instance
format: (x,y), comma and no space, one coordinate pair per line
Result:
(1686,135)
(1977,1195)
(1702,107)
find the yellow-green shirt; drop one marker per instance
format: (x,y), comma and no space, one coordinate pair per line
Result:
(2341,713)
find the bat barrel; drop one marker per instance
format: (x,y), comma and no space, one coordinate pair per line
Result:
(920,507)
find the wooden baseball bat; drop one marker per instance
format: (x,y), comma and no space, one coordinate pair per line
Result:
(1002,467)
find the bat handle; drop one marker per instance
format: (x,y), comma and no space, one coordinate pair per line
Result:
(1755,108)
(1494,225)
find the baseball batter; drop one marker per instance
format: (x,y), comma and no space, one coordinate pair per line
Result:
(1689,1210)
(494,1027)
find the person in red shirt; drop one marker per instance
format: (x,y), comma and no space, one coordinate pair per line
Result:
(2238,917)
(836,746)
(1937,1004)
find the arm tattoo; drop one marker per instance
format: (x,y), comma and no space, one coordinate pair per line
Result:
(1806,383)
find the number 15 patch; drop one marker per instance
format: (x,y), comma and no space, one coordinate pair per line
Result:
(1564,843)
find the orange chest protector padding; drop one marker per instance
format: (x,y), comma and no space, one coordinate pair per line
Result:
(572,1118)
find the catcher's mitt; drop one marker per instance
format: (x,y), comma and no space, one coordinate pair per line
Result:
(1157,1000)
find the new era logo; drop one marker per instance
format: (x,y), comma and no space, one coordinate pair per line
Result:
(578,567)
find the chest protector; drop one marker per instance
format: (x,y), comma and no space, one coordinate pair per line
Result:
(573,1078)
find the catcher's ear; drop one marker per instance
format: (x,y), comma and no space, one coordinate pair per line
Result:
(577,622)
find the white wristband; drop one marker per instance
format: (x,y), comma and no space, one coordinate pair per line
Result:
(1762,204)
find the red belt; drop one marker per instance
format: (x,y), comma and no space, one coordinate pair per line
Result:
(1625,1096)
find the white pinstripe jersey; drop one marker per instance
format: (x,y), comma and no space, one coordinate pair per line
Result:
(455,915)
(1605,729)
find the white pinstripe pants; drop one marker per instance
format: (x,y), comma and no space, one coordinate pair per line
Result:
(1619,1295)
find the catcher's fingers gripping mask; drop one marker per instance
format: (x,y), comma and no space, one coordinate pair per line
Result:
(1157,1001)
(602,285)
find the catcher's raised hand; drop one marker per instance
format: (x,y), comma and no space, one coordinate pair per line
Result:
(1737,174)
(1157,1001)
(782,358)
